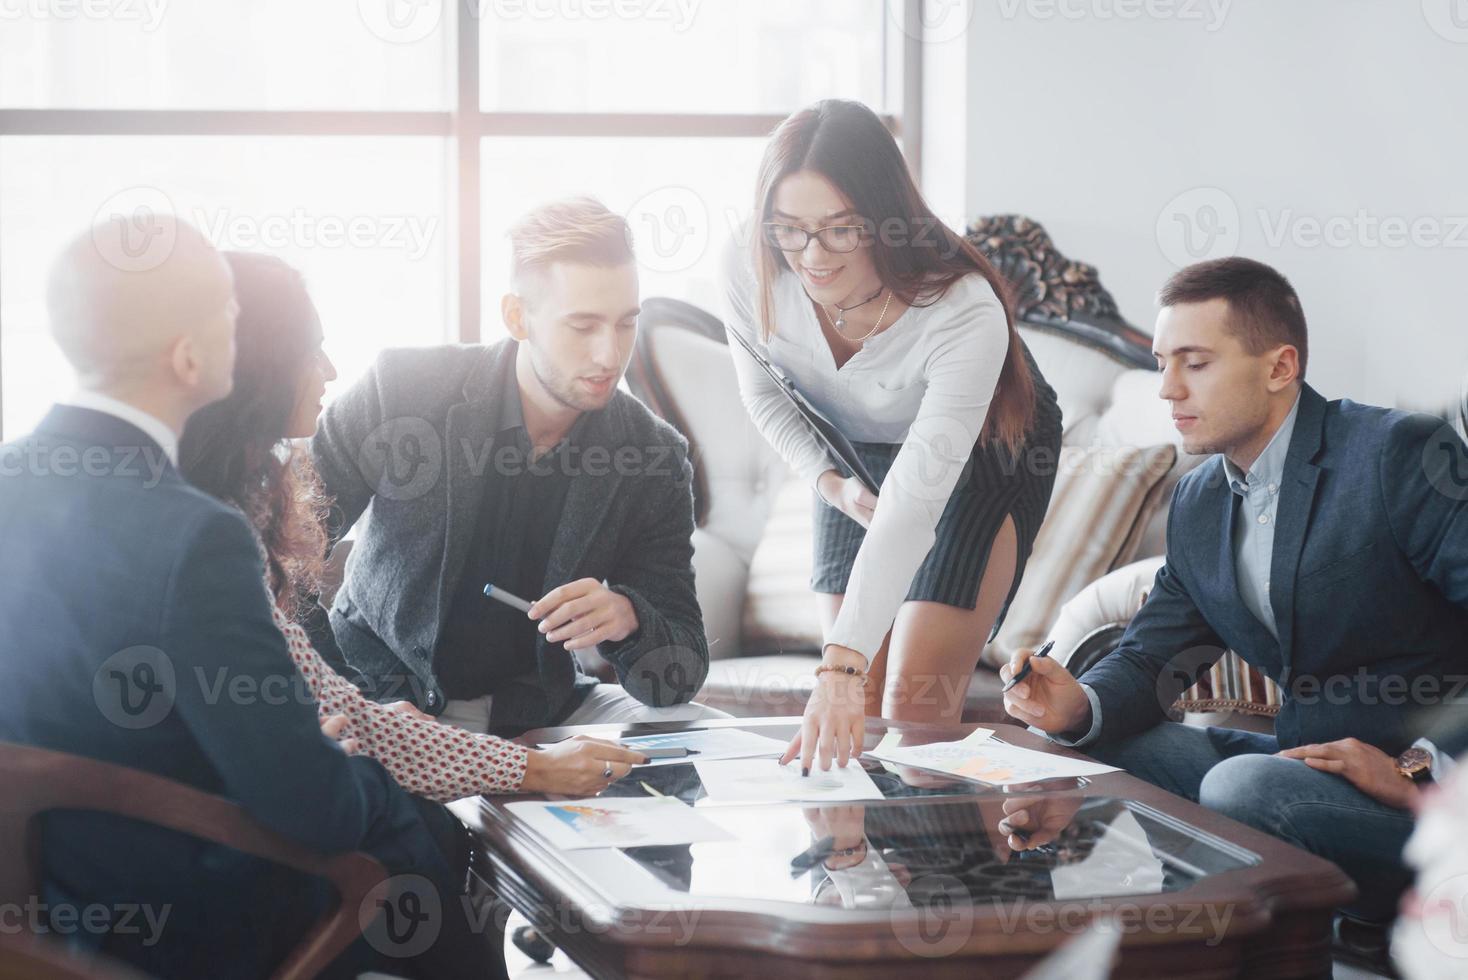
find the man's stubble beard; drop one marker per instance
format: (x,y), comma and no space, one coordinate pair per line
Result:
(561,390)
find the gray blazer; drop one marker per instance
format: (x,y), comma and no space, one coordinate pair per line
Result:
(408,447)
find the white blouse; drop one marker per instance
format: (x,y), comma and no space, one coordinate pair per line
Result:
(926,382)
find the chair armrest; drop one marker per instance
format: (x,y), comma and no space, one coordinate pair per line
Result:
(39,780)
(1093,646)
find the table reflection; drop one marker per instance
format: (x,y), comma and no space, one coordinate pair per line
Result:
(959,849)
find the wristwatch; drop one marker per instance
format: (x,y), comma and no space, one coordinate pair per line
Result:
(1415,764)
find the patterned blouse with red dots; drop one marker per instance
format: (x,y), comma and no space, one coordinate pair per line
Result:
(427,758)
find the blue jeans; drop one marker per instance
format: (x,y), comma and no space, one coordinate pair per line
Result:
(1237,774)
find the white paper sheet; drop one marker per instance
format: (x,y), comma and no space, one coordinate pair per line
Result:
(634,821)
(766,781)
(933,755)
(988,761)
(709,743)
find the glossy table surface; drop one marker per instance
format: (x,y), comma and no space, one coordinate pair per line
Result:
(935,877)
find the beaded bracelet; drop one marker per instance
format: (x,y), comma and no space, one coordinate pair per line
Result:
(849,671)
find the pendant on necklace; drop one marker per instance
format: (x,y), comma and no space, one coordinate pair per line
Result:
(841,323)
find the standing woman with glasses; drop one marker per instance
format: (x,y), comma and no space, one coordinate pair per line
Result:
(902,334)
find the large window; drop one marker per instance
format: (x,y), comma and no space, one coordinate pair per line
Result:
(382,146)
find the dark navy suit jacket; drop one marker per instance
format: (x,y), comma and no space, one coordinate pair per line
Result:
(1368,583)
(135,628)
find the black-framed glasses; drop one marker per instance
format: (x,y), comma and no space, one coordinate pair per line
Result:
(833,238)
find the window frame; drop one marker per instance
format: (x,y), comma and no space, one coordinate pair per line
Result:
(466,125)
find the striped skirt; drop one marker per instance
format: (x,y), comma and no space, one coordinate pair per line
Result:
(994,485)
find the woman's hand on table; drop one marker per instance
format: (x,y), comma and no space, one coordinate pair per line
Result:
(579,766)
(834,726)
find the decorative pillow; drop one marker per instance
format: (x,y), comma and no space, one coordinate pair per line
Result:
(1102,494)
(1232,685)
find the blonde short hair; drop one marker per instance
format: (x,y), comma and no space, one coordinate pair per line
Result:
(577,229)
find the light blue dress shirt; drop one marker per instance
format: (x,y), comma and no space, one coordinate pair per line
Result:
(1254,529)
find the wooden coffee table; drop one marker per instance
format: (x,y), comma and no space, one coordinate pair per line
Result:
(1194,894)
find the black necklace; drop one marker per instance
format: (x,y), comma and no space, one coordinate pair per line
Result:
(841,311)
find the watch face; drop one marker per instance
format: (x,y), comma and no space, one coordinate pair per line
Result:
(1414,761)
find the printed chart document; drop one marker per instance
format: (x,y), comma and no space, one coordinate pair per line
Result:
(981,758)
(766,781)
(633,821)
(709,743)
(930,755)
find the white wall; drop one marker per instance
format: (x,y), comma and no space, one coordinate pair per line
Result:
(1093,120)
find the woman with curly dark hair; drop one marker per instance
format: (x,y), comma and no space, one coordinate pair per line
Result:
(240,451)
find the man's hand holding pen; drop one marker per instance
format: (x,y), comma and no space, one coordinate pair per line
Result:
(583,613)
(1044,694)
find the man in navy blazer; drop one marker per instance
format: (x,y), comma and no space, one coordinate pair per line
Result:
(137,630)
(1326,544)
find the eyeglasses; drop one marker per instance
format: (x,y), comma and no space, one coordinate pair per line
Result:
(833,238)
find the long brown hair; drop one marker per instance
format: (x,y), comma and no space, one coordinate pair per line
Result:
(916,255)
(236,449)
